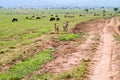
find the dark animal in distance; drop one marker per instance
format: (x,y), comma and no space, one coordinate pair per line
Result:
(52,19)
(14,20)
(29,18)
(82,15)
(57,19)
(38,18)
(26,17)
(56,16)
(51,15)
(33,16)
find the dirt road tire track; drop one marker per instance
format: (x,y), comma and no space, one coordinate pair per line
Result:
(102,65)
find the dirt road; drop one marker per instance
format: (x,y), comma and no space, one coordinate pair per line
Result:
(103,67)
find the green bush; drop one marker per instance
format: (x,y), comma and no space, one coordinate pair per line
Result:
(117,37)
(68,37)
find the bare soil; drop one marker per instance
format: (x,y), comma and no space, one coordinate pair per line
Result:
(104,64)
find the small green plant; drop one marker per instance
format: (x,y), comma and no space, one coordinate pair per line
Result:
(2,51)
(76,74)
(96,38)
(117,38)
(68,37)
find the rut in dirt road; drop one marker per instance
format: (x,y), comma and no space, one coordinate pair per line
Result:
(102,62)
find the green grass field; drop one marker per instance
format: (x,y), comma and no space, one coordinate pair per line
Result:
(24,31)
(18,32)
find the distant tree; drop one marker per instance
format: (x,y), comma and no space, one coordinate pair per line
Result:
(1,7)
(104,11)
(102,7)
(115,9)
(86,10)
(21,7)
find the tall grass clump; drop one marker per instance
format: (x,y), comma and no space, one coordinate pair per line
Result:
(68,37)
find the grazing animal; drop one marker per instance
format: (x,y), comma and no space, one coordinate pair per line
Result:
(38,18)
(65,26)
(57,19)
(33,16)
(14,20)
(51,15)
(26,17)
(56,28)
(52,19)
(80,15)
(56,16)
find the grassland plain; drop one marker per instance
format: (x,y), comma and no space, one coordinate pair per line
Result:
(23,31)
(21,69)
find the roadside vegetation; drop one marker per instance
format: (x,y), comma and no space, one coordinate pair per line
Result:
(117,38)
(77,73)
(19,70)
(67,37)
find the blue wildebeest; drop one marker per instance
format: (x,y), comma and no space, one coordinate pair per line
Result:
(38,18)
(14,20)
(57,19)
(52,19)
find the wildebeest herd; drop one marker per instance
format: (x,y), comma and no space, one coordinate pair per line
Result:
(56,18)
